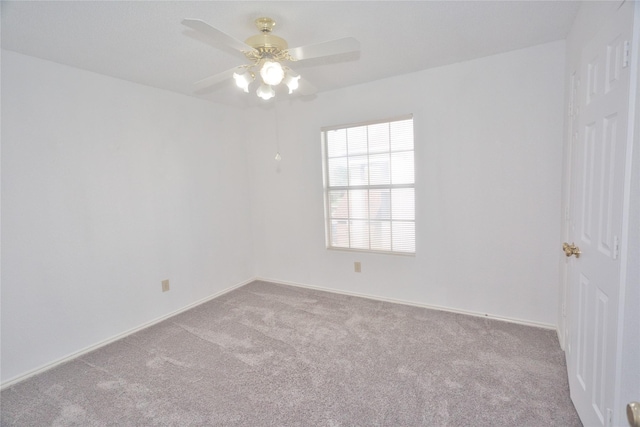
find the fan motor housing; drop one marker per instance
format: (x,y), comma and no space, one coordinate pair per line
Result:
(267,41)
(267,45)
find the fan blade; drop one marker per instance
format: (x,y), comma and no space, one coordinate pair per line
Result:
(216,35)
(202,85)
(333,47)
(305,88)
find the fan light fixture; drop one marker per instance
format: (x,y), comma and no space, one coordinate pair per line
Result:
(272,74)
(268,53)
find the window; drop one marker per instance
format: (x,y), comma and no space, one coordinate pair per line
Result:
(369,185)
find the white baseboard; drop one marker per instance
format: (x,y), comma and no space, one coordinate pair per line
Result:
(96,346)
(416,304)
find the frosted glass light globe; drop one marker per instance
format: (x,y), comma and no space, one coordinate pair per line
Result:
(243,80)
(292,81)
(272,73)
(265,92)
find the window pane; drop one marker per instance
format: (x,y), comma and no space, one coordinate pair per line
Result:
(339,204)
(402,168)
(359,234)
(339,234)
(403,203)
(358,170)
(380,204)
(337,143)
(374,167)
(379,169)
(357,140)
(380,234)
(402,135)
(338,172)
(403,236)
(378,138)
(358,204)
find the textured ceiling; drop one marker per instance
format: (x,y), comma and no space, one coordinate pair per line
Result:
(144,41)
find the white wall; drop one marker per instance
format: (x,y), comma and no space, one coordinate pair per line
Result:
(488,137)
(109,187)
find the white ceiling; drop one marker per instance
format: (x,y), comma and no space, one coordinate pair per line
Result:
(144,41)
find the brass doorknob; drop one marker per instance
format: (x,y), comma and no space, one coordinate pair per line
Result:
(633,414)
(571,249)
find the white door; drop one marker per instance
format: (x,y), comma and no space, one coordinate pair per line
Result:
(598,176)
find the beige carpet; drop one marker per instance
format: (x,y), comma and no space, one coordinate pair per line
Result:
(273,355)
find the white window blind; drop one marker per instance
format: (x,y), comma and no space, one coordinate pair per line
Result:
(369,186)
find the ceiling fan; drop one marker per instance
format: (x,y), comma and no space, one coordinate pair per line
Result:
(269,55)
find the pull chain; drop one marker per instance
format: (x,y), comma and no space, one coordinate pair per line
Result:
(278,156)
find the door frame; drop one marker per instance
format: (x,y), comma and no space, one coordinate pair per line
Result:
(628,344)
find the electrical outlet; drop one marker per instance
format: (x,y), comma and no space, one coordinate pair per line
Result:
(357,267)
(165,285)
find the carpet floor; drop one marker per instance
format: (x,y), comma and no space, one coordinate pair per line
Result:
(273,355)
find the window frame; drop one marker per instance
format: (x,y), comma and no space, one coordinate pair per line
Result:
(327,188)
